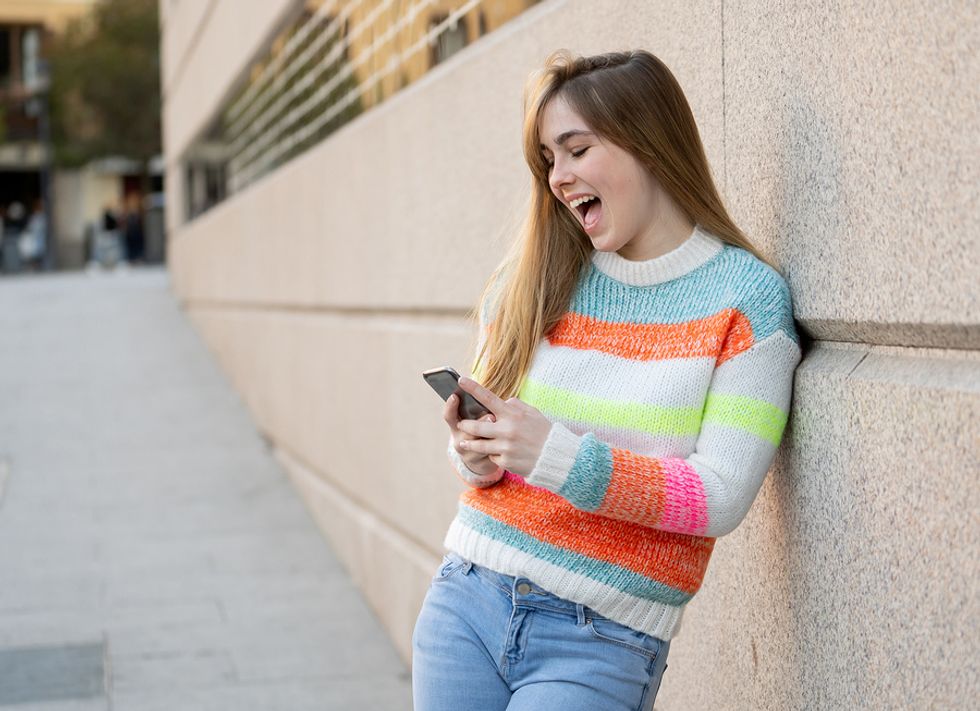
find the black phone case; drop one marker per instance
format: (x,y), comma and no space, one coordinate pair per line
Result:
(445,381)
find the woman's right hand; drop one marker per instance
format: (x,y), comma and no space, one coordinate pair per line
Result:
(477,463)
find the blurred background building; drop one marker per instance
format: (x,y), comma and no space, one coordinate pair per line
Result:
(343,176)
(45,170)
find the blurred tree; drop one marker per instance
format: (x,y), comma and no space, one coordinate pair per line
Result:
(105,85)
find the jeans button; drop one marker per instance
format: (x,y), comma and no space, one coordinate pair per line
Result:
(523,588)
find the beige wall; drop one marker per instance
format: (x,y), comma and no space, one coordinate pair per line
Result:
(845,142)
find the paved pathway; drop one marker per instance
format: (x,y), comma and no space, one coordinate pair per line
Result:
(152,553)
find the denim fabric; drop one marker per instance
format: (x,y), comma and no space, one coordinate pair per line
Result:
(486,642)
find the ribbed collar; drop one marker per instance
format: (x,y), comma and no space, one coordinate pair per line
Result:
(691,254)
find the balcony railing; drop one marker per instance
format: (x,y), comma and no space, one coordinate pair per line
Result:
(338,59)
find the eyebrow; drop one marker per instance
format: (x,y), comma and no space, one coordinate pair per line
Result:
(568,134)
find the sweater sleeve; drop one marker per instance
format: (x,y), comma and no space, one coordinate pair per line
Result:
(708,492)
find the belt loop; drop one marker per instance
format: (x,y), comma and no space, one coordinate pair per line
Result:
(580,612)
(467,567)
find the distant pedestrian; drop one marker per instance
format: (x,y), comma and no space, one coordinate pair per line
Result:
(637,355)
(107,247)
(16,216)
(133,229)
(110,222)
(33,240)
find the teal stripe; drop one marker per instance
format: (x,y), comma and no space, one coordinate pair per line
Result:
(587,482)
(612,575)
(761,418)
(731,279)
(575,407)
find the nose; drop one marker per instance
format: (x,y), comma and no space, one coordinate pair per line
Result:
(559,175)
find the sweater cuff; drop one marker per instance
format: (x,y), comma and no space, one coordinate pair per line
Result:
(556,459)
(480,481)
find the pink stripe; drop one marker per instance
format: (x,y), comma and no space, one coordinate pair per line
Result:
(517,480)
(686,507)
(514,478)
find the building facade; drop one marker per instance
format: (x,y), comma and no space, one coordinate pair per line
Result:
(330,245)
(26,30)
(77,198)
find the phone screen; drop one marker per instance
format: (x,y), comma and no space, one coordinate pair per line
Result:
(445,381)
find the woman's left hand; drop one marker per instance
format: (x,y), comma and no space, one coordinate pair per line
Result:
(515,440)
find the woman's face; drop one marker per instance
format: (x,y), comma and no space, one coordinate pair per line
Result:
(622,199)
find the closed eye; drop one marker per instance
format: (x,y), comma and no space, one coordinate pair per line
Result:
(575,154)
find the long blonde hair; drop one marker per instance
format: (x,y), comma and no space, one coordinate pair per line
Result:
(632,100)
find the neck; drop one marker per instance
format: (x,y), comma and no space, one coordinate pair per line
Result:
(666,235)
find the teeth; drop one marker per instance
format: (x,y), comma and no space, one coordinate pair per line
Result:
(578,201)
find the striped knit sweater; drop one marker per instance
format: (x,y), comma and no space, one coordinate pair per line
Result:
(668,383)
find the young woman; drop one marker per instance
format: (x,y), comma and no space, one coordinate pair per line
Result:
(637,355)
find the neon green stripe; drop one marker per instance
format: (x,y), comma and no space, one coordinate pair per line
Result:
(652,419)
(759,417)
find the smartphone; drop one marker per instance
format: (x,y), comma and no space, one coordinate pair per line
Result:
(445,381)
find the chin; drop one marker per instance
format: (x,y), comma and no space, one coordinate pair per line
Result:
(605,245)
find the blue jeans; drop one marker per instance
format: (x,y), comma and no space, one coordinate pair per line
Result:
(485,641)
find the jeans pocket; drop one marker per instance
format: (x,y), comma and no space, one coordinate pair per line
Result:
(614,633)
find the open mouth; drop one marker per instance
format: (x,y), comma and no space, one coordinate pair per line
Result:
(589,210)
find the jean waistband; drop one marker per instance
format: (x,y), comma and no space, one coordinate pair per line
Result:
(525,592)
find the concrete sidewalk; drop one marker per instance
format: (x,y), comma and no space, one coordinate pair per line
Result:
(152,553)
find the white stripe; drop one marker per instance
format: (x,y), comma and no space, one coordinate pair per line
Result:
(761,372)
(642,443)
(677,382)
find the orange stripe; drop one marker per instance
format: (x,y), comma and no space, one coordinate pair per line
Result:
(721,335)
(637,490)
(550,518)
(739,337)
